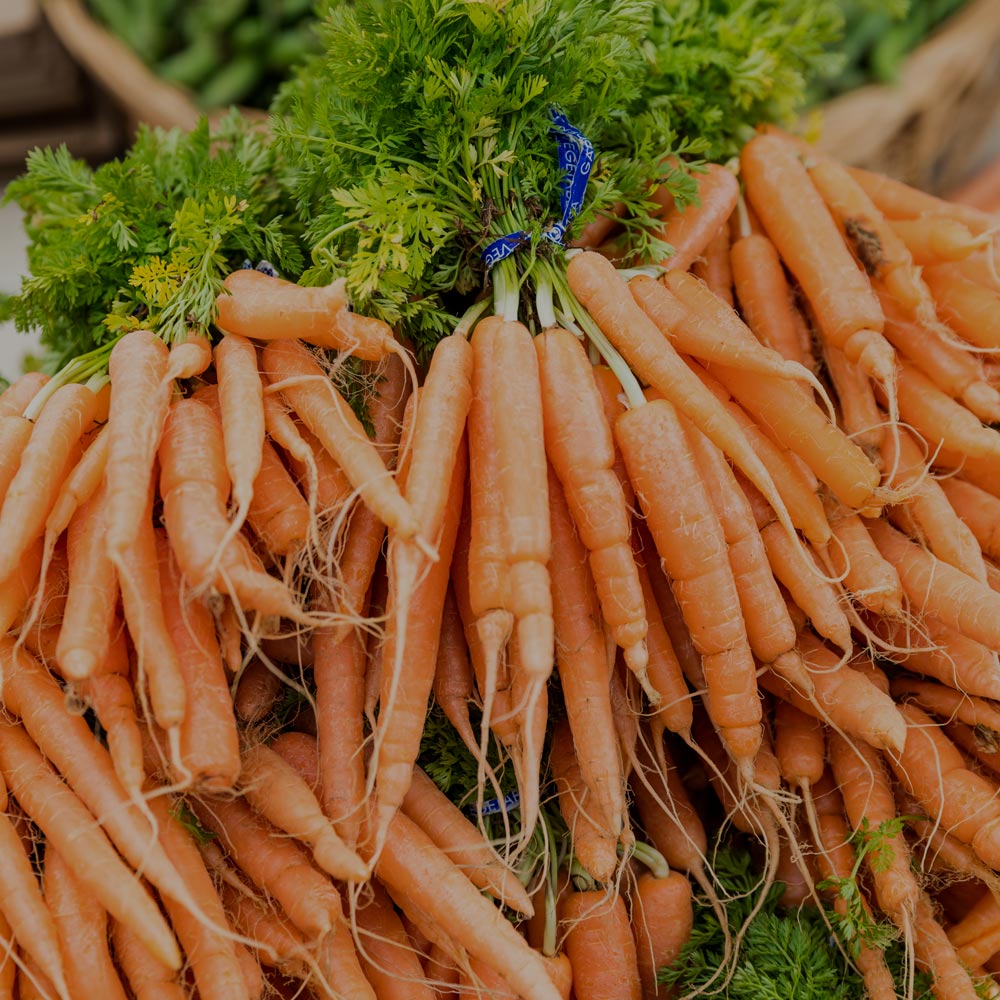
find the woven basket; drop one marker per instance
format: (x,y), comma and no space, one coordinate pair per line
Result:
(142,95)
(941,121)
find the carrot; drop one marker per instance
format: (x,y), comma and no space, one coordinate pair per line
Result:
(27,916)
(700,324)
(714,267)
(978,510)
(836,860)
(671,823)
(593,837)
(261,307)
(66,740)
(194,486)
(933,771)
(946,703)
(581,449)
(582,662)
(933,239)
(230,631)
(600,227)
(969,308)
(516,400)
(113,699)
(70,828)
(799,574)
(764,295)
(78,487)
(941,420)
(409,862)
(93,594)
(140,399)
(15,433)
(15,398)
(257,692)
(797,221)
(927,513)
(189,357)
(843,696)
(16,590)
(901,201)
(448,828)
(859,412)
(936,588)
(291,369)
(390,965)
(770,631)
(871,580)
(598,925)
(662,918)
(148,978)
(276,792)
(209,744)
(690,542)
(241,408)
(800,746)
(794,480)
(674,708)
(81,923)
(934,951)
(951,368)
(883,255)
(864,784)
(981,919)
(798,424)
(277,514)
(45,462)
(604,293)
(275,864)
(690,230)
(453,676)
(405,692)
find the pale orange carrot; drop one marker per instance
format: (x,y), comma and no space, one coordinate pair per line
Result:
(148,978)
(714,267)
(691,229)
(15,432)
(15,398)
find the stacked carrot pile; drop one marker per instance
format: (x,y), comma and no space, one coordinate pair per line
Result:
(760,541)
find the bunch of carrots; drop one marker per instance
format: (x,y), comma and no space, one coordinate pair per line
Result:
(745,519)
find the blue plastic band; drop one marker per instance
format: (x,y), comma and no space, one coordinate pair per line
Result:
(265,267)
(576,160)
(493,806)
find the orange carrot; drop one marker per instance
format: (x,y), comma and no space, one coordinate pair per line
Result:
(113,699)
(947,703)
(15,433)
(140,399)
(690,230)
(580,446)
(970,309)
(869,578)
(209,745)
(764,296)
(81,922)
(691,544)
(275,864)
(241,408)
(189,357)
(389,963)
(597,923)
(935,587)
(582,661)
(859,412)
(592,836)
(605,294)
(148,978)
(843,696)
(934,952)
(411,864)
(932,239)
(194,486)
(453,676)
(714,267)
(276,792)
(15,398)
(78,487)
(27,916)
(978,510)
(45,463)
(523,479)
(262,307)
(68,826)
(447,826)
(662,918)
(797,221)
(92,598)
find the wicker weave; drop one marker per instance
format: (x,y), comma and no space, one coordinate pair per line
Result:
(941,121)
